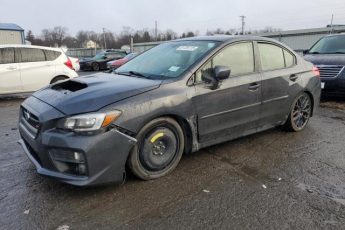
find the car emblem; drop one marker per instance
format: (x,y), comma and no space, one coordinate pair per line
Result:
(27,115)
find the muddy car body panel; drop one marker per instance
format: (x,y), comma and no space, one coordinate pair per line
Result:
(238,106)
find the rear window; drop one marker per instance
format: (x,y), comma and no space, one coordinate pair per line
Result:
(32,55)
(6,55)
(51,55)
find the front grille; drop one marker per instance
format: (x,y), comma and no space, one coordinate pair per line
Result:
(31,118)
(330,71)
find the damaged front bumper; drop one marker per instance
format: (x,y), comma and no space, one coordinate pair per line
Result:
(81,160)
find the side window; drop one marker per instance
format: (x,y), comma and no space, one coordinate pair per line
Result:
(238,57)
(289,59)
(6,55)
(32,55)
(271,57)
(51,55)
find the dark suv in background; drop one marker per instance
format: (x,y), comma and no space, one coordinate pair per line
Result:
(328,54)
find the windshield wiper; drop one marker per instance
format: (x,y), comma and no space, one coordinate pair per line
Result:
(133,73)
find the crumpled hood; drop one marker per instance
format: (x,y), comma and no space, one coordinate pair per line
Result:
(326,59)
(93,92)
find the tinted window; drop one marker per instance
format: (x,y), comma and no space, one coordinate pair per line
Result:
(6,55)
(239,58)
(289,59)
(51,55)
(271,56)
(32,55)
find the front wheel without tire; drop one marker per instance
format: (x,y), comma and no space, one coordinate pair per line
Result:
(159,149)
(300,113)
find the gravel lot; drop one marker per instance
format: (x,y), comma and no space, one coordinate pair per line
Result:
(270,180)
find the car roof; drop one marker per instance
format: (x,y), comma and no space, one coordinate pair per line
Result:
(228,38)
(335,35)
(30,46)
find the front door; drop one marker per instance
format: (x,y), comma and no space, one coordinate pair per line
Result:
(233,109)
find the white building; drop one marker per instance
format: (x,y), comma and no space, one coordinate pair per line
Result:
(11,34)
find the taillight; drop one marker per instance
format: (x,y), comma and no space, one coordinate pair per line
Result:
(69,64)
(316,71)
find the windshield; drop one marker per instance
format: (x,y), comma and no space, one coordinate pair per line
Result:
(168,60)
(329,45)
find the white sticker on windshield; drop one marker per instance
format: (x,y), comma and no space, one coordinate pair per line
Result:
(174,68)
(187,48)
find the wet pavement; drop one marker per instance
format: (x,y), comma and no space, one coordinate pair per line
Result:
(270,180)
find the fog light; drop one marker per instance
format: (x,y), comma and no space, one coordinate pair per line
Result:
(67,156)
(66,161)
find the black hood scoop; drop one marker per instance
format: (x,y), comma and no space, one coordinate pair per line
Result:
(69,86)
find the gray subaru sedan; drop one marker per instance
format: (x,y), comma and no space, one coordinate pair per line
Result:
(175,98)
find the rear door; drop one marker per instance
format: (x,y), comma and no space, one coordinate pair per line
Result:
(9,72)
(279,74)
(233,109)
(36,71)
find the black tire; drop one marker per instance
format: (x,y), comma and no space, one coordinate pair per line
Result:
(300,113)
(159,149)
(95,66)
(57,79)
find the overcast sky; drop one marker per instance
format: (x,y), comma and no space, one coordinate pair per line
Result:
(178,15)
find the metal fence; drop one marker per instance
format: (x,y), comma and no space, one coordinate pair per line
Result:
(83,52)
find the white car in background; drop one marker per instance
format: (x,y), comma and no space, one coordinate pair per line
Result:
(26,68)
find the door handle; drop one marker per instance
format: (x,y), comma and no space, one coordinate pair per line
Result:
(293,77)
(253,86)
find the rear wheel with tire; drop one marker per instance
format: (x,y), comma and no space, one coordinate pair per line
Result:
(159,149)
(300,113)
(95,66)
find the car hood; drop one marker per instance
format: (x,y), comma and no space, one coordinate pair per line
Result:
(93,92)
(326,59)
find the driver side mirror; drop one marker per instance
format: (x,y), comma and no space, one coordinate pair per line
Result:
(221,72)
(105,57)
(305,52)
(212,77)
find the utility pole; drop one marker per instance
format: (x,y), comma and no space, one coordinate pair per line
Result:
(156,31)
(331,31)
(243,23)
(105,44)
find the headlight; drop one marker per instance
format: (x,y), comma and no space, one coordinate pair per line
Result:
(89,122)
